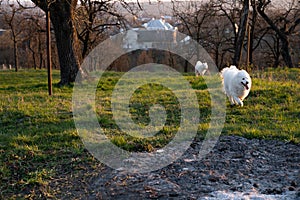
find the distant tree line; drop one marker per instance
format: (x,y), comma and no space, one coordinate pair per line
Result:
(244,32)
(251,33)
(77,26)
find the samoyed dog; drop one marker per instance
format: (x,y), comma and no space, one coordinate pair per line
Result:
(237,84)
(200,68)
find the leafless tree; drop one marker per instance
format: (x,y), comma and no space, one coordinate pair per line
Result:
(219,41)
(218,25)
(192,17)
(283,24)
(94,19)
(36,39)
(13,19)
(63,18)
(237,12)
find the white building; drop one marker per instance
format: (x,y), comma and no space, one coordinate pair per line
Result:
(155,33)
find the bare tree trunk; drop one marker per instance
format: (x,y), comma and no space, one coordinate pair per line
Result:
(69,65)
(241,33)
(285,52)
(16,60)
(252,31)
(40,52)
(217,55)
(40,60)
(67,43)
(14,23)
(277,54)
(33,54)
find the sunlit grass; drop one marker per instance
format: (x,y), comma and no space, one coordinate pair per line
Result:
(272,110)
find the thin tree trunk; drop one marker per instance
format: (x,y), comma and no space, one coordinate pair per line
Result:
(217,56)
(276,52)
(33,54)
(16,61)
(252,31)
(40,52)
(41,60)
(241,33)
(285,52)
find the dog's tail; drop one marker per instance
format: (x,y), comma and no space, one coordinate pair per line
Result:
(232,67)
(223,71)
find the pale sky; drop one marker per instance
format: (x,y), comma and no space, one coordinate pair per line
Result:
(281,3)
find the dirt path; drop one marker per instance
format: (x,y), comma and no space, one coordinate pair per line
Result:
(237,167)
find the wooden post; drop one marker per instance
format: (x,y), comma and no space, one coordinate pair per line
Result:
(248,46)
(49,63)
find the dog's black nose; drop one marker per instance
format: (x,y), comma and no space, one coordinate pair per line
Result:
(247,82)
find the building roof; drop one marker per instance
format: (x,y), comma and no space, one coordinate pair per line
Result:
(158,24)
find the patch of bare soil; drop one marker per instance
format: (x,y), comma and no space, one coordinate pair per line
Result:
(235,168)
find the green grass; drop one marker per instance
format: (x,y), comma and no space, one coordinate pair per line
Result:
(36,131)
(38,139)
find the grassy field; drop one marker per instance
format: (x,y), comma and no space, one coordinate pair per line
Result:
(38,139)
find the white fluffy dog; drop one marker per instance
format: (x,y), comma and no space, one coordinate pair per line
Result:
(237,84)
(200,68)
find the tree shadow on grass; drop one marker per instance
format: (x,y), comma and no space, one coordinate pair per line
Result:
(31,152)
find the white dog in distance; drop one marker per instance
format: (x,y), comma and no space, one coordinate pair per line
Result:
(200,68)
(237,84)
